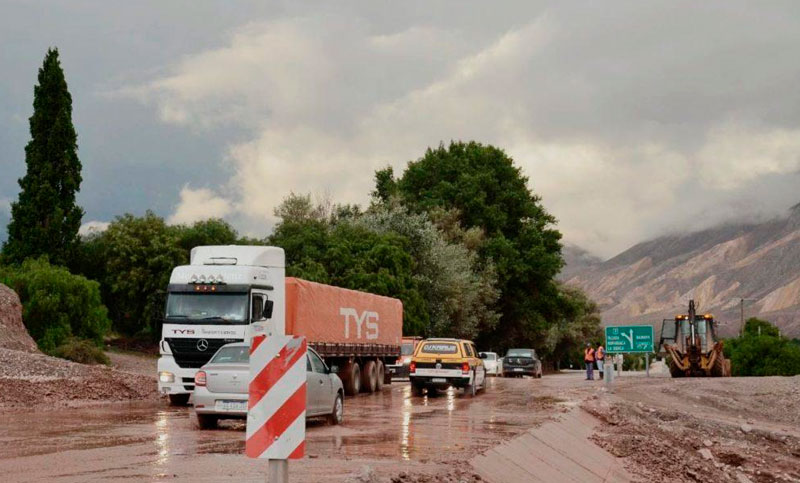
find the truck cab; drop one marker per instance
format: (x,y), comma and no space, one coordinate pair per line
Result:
(226,294)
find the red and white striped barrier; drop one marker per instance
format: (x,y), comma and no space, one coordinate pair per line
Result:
(276,407)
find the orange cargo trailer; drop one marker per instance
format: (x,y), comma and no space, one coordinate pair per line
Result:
(357,333)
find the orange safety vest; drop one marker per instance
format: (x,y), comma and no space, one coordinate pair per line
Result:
(588,355)
(601,353)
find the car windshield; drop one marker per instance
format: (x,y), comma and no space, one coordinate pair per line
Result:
(407,349)
(520,353)
(489,356)
(205,307)
(439,348)
(232,355)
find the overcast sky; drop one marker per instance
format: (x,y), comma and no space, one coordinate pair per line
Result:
(631,119)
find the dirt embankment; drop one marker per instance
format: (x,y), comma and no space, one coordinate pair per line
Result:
(29,378)
(12,332)
(727,429)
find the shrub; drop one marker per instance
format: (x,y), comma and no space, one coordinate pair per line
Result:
(762,352)
(56,304)
(82,351)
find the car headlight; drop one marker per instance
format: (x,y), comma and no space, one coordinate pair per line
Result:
(165,376)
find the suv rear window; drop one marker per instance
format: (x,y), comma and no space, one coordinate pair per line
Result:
(439,348)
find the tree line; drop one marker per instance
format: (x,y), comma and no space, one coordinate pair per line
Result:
(458,236)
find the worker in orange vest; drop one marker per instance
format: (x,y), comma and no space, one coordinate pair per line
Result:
(588,358)
(600,357)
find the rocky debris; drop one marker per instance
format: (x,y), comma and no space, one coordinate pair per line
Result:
(13,334)
(29,380)
(688,436)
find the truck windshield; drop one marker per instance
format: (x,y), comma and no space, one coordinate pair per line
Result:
(207,308)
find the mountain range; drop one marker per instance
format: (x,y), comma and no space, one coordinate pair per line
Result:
(750,269)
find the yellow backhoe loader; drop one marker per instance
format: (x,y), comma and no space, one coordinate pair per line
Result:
(691,343)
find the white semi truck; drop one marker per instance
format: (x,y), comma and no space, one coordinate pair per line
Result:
(228,293)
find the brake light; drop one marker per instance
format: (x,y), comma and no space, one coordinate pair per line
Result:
(412,367)
(465,368)
(200,378)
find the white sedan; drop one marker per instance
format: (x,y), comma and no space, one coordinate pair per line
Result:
(493,363)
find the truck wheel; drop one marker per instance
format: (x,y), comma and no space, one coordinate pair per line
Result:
(337,416)
(369,377)
(351,379)
(207,421)
(380,375)
(178,399)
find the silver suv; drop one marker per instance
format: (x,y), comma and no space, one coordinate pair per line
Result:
(221,387)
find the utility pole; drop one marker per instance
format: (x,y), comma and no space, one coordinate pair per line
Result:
(741,312)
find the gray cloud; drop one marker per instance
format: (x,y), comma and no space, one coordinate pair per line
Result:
(630,118)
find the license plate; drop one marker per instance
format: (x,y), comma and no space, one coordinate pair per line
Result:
(231,406)
(439,379)
(517,369)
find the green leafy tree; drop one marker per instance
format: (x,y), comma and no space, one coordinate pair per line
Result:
(333,250)
(459,291)
(761,351)
(579,322)
(488,192)
(45,219)
(57,305)
(207,232)
(756,326)
(141,253)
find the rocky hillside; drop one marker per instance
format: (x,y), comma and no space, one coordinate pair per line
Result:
(717,267)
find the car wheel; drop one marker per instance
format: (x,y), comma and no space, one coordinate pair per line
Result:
(178,399)
(380,375)
(369,377)
(472,389)
(337,416)
(207,421)
(417,389)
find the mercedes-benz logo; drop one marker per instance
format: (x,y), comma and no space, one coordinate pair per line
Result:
(202,345)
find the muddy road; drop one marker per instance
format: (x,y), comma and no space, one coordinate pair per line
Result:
(658,429)
(384,434)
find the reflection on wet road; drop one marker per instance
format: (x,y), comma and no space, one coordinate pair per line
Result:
(153,441)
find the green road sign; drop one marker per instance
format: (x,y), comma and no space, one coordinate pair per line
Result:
(629,338)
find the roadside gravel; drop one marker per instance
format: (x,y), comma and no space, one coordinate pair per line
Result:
(34,380)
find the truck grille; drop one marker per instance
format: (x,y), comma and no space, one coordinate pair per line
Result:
(187,354)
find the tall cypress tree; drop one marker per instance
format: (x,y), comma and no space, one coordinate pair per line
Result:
(45,219)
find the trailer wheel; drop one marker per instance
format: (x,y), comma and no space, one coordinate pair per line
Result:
(380,375)
(369,377)
(351,378)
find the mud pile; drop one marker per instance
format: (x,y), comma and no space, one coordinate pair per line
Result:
(686,442)
(12,333)
(35,380)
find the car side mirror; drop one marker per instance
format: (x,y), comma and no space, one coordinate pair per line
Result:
(268,306)
(334,369)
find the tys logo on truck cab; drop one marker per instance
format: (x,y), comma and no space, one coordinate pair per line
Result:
(368,317)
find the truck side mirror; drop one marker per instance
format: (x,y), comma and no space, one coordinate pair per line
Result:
(268,305)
